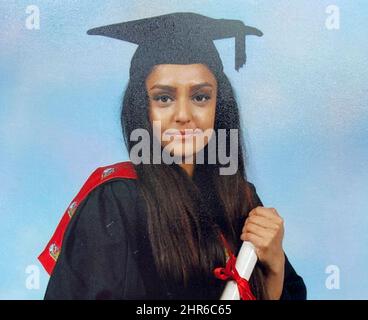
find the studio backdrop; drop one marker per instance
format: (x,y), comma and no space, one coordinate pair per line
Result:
(304,108)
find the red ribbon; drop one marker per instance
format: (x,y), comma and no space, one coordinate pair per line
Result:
(230,272)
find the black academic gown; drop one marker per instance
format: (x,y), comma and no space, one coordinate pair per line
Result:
(106,254)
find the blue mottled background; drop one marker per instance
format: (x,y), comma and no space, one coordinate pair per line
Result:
(303,98)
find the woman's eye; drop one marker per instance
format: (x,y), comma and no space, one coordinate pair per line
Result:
(162,98)
(202,98)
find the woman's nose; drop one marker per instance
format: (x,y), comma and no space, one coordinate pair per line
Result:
(183,111)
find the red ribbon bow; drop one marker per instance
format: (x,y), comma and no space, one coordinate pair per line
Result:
(230,272)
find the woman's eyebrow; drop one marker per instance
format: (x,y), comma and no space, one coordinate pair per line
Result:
(163,87)
(201,85)
(173,89)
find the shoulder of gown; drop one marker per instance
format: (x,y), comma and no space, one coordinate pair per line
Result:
(294,287)
(97,260)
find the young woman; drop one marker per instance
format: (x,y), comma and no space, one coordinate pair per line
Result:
(158,230)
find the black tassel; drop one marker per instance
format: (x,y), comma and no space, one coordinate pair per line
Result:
(240,56)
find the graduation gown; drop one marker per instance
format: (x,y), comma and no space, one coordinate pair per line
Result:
(106,254)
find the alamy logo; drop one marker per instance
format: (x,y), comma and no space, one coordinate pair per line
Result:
(187,143)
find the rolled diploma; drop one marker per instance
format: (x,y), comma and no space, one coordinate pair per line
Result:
(245,263)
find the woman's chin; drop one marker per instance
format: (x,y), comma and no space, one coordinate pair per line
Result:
(183,152)
(181,157)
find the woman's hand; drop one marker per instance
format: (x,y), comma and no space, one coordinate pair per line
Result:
(265,229)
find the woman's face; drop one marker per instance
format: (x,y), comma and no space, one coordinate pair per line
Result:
(182,99)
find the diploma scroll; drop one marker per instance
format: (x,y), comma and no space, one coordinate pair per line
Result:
(245,263)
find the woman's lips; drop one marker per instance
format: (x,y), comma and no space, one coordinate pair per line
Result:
(183,134)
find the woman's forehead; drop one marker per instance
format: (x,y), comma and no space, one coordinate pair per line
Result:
(181,74)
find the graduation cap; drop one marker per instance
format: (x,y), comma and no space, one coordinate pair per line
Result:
(179,38)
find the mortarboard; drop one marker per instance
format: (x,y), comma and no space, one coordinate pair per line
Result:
(179,38)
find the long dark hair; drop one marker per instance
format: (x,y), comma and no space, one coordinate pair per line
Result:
(185,215)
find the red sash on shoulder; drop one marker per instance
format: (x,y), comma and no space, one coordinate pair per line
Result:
(125,169)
